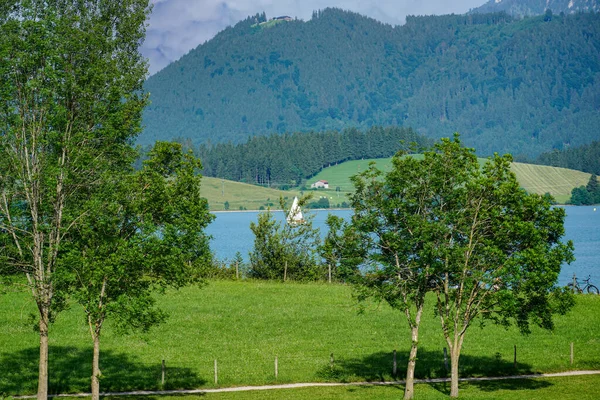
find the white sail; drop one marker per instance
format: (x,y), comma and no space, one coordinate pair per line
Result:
(295,216)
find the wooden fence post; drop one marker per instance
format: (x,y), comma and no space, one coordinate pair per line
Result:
(515,361)
(237,270)
(572,354)
(276,368)
(331,361)
(216,373)
(164,368)
(395,366)
(446,359)
(285,272)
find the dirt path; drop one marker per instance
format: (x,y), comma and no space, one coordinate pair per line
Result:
(313,384)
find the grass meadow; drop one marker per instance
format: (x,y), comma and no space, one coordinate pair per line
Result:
(245,325)
(237,194)
(567,388)
(538,179)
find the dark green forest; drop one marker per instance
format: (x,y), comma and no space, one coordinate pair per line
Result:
(588,194)
(285,160)
(538,7)
(584,158)
(522,86)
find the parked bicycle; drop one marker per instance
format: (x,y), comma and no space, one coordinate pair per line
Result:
(588,287)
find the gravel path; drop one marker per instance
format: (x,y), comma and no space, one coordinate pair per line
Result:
(312,384)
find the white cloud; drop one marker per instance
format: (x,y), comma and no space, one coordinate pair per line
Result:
(177,26)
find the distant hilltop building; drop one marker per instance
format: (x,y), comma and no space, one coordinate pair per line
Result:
(320,184)
(273,21)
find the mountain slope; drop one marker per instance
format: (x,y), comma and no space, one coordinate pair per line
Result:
(520,86)
(538,7)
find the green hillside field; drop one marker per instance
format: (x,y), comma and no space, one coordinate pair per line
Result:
(244,325)
(237,194)
(538,179)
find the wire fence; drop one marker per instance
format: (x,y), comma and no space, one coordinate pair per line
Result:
(71,372)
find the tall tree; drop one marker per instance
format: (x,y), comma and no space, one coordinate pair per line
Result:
(501,249)
(593,189)
(143,232)
(395,226)
(485,247)
(70,103)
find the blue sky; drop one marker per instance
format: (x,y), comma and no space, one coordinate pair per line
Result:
(177,26)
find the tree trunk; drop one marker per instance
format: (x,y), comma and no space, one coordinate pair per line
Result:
(42,393)
(454,357)
(96,368)
(409,389)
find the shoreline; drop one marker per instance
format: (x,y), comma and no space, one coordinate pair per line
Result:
(278,209)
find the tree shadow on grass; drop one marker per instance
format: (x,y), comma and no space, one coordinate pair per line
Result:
(377,367)
(158,397)
(495,385)
(70,369)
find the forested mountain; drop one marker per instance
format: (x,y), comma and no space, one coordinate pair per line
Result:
(585,158)
(538,7)
(520,86)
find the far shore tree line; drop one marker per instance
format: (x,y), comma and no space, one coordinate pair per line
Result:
(80,225)
(289,160)
(285,160)
(588,194)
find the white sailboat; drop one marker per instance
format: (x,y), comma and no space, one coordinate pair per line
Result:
(295,216)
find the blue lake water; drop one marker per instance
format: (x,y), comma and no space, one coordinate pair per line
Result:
(231,233)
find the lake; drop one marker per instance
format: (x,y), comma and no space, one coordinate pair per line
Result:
(231,233)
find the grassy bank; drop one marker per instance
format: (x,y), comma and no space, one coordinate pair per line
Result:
(245,325)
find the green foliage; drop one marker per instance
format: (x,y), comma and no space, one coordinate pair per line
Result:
(523,8)
(292,158)
(71,99)
(342,250)
(323,202)
(284,251)
(143,231)
(480,74)
(470,234)
(586,195)
(226,270)
(584,158)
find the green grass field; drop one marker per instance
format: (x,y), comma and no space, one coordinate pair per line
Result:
(538,179)
(245,325)
(542,179)
(568,388)
(252,197)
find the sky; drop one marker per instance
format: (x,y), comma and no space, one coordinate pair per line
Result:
(177,26)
